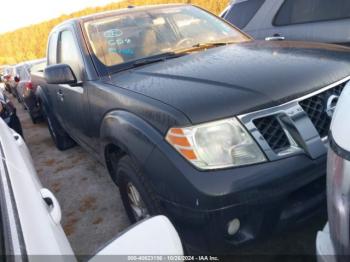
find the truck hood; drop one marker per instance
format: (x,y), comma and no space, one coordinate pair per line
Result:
(235,79)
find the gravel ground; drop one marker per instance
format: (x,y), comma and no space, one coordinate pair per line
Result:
(92,210)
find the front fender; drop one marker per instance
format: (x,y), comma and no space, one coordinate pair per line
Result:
(130,133)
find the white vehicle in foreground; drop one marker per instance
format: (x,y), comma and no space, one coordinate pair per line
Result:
(30,215)
(333,243)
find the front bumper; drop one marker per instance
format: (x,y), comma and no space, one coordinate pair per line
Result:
(324,247)
(266,198)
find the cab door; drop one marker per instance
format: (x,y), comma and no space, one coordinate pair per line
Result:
(72,99)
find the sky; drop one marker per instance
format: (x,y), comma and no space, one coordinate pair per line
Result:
(22,13)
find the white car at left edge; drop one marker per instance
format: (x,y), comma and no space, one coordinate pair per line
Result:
(30,216)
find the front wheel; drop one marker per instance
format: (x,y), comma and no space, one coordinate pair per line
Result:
(138,198)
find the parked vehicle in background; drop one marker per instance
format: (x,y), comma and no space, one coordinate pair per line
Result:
(8,75)
(23,79)
(31,215)
(333,243)
(312,20)
(195,120)
(2,69)
(34,77)
(8,114)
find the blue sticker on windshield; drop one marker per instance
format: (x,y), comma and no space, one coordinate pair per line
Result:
(125,51)
(112,33)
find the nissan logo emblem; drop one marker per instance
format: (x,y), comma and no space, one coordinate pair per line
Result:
(331,104)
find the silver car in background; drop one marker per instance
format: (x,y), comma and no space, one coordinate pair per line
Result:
(303,20)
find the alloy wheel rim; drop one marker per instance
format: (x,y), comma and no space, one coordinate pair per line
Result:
(136,203)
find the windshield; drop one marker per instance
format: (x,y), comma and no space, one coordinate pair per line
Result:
(132,36)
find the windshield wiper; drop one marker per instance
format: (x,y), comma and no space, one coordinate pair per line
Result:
(156,58)
(147,60)
(211,44)
(169,55)
(204,45)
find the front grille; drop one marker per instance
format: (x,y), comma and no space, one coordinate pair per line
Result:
(315,107)
(272,131)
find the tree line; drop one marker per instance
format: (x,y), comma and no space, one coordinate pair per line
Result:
(30,42)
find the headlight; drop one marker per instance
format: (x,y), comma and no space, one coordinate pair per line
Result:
(214,145)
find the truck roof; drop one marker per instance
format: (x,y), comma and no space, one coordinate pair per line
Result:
(128,10)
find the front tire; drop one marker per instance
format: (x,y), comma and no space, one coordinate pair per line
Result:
(138,198)
(59,136)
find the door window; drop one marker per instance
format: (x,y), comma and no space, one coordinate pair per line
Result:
(302,11)
(241,13)
(68,52)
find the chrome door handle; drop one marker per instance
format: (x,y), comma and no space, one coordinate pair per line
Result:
(275,38)
(60,95)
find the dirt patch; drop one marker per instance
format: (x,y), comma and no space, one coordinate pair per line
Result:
(49,162)
(78,159)
(56,187)
(71,214)
(87,203)
(69,226)
(97,221)
(63,168)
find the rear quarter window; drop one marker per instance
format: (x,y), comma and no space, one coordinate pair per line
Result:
(241,13)
(51,49)
(302,11)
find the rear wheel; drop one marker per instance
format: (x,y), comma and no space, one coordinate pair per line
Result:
(59,136)
(138,198)
(32,117)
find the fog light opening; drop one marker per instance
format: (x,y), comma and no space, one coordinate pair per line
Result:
(233,226)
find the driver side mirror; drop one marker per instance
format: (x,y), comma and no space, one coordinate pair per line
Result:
(60,74)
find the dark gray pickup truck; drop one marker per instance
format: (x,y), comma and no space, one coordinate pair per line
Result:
(195,120)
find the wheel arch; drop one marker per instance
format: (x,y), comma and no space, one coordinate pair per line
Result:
(124,133)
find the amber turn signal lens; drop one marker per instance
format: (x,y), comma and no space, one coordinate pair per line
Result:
(179,141)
